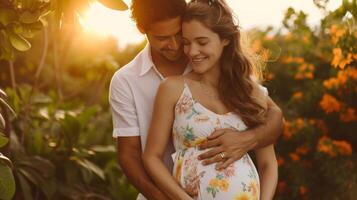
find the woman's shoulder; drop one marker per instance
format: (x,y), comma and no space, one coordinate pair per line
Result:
(172,87)
(172,82)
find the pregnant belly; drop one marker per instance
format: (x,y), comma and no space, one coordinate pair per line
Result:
(240,178)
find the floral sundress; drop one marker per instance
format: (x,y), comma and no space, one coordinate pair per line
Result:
(193,123)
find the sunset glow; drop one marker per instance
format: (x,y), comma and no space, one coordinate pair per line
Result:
(104,22)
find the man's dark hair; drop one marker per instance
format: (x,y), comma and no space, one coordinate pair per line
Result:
(147,12)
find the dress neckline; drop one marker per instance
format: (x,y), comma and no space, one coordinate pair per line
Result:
(201,105)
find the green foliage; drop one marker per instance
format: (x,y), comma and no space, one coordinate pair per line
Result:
(314,82)
(61,145)
(7,182)
(19,20)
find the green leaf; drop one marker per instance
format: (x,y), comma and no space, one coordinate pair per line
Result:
(7,51)
(19,42)
(2,101)
(91,167)
(2,93)
(39,164)
(31,176)
(3,139)
(26,190)
(5,160)
(36,26)
(2,124)
(7,183)
(7,16)
(28,17)
(103,149)
(114,4)
(41,98)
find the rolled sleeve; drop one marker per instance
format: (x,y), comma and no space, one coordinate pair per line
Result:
(264,90)
(122,105)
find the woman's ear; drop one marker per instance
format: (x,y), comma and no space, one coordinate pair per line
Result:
(225,42)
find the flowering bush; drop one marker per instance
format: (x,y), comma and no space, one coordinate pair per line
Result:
(313,79)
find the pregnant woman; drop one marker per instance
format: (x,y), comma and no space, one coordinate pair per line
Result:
(221,92)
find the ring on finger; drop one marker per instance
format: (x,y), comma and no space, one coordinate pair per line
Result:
(222,155)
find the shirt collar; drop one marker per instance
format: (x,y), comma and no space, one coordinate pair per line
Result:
(147,62)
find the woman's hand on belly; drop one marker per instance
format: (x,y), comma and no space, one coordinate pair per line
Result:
(225,147)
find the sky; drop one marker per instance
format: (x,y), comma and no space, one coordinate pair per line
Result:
(250,13)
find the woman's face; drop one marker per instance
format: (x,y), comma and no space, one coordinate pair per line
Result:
(202,46)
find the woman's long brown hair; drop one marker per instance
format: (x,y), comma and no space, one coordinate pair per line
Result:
(238,89)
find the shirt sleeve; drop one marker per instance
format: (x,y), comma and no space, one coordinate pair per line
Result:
(264,90)
(122,105)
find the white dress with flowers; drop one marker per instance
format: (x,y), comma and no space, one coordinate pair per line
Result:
(193,124)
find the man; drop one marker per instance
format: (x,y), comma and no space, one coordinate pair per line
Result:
(133,89)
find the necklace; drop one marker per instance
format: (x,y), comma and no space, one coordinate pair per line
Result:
(207,91)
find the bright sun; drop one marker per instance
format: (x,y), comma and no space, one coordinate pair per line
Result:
(103,22)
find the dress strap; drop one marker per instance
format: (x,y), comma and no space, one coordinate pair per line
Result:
(186,87)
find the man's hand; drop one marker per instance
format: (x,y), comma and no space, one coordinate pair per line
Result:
(226,147)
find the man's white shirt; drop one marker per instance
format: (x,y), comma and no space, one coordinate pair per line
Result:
(131,96)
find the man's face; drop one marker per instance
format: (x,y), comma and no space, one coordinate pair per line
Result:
(165,38)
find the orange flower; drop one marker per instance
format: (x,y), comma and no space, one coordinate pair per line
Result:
(297,95)
(333,29)
(302,190)
(300,123)
(339,60)
(343,147)
(256,46)
(330,104)
(324,146)
(305,39)
(340,80)
(309,75)
(288,36)
(269,76)
(334,147)
(305,71)
(281,161)
(331,83)
(352,72)
(336,33)
(342,77)
(348,116)
(290,59)
(294,156)
(244,196)
(303,150)
(312,121)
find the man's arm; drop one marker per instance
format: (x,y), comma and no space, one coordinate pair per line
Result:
(129,155)
(234,145)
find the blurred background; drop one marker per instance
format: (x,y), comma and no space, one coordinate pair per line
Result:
(57,58)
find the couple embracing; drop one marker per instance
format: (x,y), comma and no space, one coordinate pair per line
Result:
(188,108)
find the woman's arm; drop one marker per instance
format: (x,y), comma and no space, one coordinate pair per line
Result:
(268,171)
(158,137)
(236,145)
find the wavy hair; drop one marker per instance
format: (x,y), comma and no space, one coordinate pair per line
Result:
(147,12)
(237,86)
